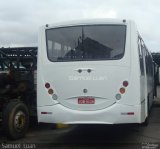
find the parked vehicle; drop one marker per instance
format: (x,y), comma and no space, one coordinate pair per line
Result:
(94,72)
(18,77)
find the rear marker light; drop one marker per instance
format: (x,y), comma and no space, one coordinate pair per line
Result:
(122,90)
(127,113)
(50,91)
(43,112)
(46,112)
(130,113)
(47,85)
(125,83)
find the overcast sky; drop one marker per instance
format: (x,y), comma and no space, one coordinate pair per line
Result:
(21,19)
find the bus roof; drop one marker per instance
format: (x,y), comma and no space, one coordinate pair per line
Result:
(87,22)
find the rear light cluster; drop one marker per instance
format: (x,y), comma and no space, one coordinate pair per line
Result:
(50,90)
(122,90)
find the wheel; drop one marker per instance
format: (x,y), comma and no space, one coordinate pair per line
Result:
(146,122)
(15,120)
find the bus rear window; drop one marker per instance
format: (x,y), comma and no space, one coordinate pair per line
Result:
(82,43)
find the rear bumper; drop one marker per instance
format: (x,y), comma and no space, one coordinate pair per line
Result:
(116,114)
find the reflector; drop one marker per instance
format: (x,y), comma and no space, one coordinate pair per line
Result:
(130,113)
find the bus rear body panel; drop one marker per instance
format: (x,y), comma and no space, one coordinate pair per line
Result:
(115,114)
(77,84)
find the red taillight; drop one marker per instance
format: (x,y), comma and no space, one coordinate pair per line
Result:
(122,90)
(43,112)
(46,112)
(127,113)
(125,83)
(47,85)
(130,113)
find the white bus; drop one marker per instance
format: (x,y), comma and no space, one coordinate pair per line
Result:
(93,72)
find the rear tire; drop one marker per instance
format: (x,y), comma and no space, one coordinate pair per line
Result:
(146,122)
(15,120)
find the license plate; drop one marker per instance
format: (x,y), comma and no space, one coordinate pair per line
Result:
(86,100)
